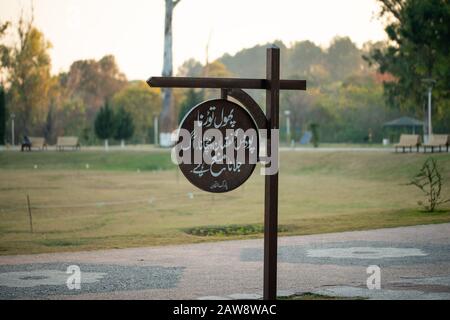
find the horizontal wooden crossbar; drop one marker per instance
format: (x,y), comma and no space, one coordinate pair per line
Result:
(222,83)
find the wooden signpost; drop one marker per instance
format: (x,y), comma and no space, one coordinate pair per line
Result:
(223,114)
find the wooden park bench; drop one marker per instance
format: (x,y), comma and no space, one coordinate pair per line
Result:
(69,142)
(437,141)
(33,142)
(408,141)
(38,143)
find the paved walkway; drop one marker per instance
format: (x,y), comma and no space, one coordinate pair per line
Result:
(414,264)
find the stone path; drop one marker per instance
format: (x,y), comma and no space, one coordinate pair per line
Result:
(414,263)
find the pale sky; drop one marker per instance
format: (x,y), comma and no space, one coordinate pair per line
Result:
(133,30)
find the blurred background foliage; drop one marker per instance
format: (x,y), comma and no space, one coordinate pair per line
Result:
(352,91)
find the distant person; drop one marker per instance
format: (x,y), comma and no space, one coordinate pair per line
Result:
(26,143)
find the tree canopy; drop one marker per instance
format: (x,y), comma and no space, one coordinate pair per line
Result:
(2,116)
(192,98)
(418,49)
(92,82)
(27,66)
(143,103)
(105,123)
(124,125)
(348,96)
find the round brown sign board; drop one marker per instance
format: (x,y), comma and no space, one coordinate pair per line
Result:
(222,146)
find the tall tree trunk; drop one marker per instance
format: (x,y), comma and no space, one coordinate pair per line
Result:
(167,118)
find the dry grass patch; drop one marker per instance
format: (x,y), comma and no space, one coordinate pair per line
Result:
(79,209)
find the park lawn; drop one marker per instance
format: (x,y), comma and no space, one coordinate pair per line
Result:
(97,160)
(131,199)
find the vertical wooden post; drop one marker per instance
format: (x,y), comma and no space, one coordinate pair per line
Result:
(234,87)
(29,213)
(271,181)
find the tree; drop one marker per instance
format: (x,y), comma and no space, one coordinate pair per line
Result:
(28,74)
(303,110)
(52,122)
(302,56)
(105,124)
(2,116)
(418,33)
(49,126)
(190,68)
(192,98)
(93,82)
(314,127)
(143,103)
(250,62)
(4,50)
(167,118)
(217,69)
(343,58)
(124,126)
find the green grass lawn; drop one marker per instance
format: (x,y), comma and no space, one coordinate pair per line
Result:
(128,199)
(70,160)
